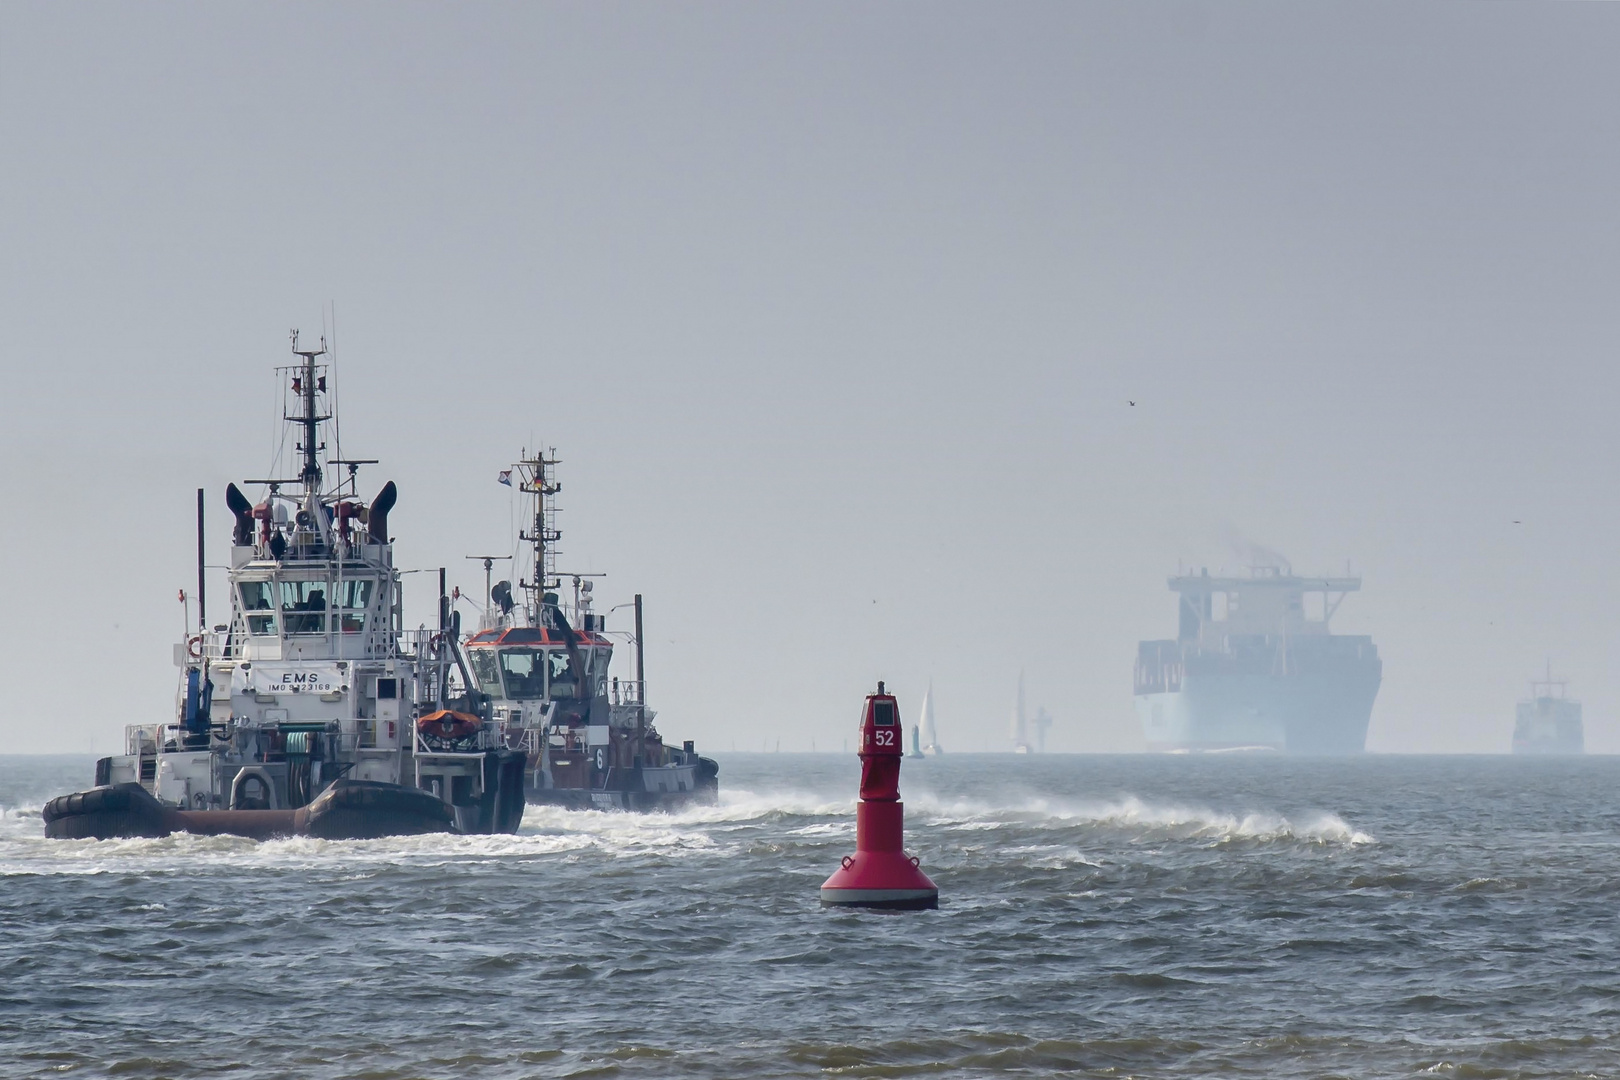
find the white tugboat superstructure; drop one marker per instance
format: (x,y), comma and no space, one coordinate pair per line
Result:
(311,709)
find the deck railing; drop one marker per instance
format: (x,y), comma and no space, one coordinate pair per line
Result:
(627,692)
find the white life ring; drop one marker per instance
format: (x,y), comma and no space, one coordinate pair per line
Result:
(194,646)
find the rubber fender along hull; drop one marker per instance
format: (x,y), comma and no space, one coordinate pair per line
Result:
(501,809)
(365,810)
(347,810)
(105,812)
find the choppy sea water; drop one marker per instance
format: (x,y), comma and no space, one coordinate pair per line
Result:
(1223,916)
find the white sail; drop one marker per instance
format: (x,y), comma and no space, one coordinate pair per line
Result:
(1020,728)
(930,734)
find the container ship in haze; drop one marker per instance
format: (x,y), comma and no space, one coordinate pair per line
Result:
(1255,666)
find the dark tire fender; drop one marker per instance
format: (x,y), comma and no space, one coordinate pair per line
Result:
(107,812)
(367,809)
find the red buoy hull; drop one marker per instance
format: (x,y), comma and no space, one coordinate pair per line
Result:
(881,879)
(880,874)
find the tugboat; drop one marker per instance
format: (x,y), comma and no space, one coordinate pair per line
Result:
(335,722)
(588,739)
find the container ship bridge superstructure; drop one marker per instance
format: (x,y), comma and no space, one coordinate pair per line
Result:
(1254,665)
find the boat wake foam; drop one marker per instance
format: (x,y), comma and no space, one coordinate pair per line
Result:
(731,826)
(1166,820)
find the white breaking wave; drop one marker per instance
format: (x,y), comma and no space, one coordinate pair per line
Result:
(727,828)
(1131,812)
(546,832)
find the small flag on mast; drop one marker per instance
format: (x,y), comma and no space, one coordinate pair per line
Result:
(506,477)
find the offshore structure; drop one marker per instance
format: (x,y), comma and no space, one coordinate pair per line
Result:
(1028,734)
(1549,722)
(1254,667)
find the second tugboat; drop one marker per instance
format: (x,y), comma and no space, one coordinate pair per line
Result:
(588,738)
(311,712)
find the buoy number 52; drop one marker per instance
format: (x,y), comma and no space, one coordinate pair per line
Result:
(884,737)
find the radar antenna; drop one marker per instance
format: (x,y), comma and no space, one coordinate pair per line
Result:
(489,586)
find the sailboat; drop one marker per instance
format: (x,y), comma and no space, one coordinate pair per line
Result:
(1020,727)
(930,734)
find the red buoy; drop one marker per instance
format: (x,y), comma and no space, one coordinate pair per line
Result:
(880,874)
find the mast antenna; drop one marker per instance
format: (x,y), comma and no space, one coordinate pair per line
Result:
(337,420)
(305,385)
(539,479)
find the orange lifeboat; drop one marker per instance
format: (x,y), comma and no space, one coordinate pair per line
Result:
(449,730)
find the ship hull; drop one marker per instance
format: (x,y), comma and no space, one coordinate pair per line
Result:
(1306,713)
(1549,725)
(346,810)
(639,801)
(663,787)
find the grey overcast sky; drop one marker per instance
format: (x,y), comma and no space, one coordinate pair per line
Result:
(833,312)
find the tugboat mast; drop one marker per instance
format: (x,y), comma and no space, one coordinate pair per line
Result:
(305,387)
(538,477)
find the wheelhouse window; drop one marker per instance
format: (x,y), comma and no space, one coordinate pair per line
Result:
(303,606)
(564,680)
(354,597)
(258,604)
(485,671)
(524,672)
